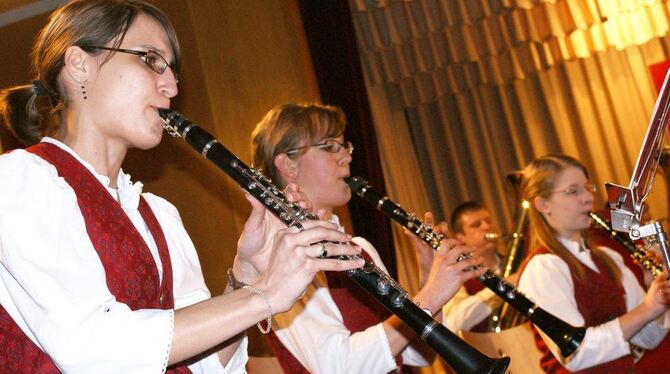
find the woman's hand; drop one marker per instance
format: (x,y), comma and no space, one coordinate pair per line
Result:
(296,258)
(255,243)
(657,298)
(424,251)
(654,304)
(447,274)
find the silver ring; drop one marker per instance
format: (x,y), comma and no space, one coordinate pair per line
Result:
(324,251)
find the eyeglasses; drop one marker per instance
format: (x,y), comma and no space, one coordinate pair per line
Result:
(330,146)
(152,59)
(574,191)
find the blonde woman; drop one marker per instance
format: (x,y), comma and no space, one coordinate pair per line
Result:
(583,284)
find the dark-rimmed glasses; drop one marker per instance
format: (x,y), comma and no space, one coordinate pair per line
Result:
(573,191)
(151,58)
(330,146)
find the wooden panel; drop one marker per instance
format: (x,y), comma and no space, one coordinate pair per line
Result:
(7,5)
(240,58)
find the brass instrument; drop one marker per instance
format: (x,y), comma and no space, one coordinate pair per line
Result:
(494,236)
(514,247)
(638,253)
(506,317)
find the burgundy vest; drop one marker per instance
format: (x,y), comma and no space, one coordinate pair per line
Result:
(359,311)
(131,273)
(653,361)
(600,299)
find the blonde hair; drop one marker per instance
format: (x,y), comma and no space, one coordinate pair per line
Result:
(289,126)
(539,180)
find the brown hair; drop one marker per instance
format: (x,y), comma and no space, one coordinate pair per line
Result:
(289,126)
(539,179)
(461,209)
(83,23)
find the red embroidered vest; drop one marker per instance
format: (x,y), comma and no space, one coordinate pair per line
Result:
(600,299)
(359,311)
(131,273)
(653,361)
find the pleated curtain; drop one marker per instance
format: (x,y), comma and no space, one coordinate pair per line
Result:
(465,91)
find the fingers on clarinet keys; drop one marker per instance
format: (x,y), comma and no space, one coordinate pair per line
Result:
(319,249)
(333,250)
(294,195)
(324,251)
(471,261)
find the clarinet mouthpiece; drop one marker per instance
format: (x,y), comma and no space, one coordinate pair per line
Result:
(163,112)
(356,183)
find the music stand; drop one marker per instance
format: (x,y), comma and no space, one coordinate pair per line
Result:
(627,203)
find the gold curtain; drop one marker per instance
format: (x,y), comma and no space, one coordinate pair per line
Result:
(465,91)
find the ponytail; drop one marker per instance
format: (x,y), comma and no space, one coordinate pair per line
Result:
(21,113)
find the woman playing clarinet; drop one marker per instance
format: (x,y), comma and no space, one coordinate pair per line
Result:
(334,328)
(96,276)
(581,283)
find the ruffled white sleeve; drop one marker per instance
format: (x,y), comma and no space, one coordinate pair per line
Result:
(465,311)
(188,282)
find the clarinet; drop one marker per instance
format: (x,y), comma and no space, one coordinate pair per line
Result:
(566,337)
(638,254)
(459,354)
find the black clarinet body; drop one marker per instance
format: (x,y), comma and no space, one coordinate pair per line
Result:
(460,355)
(566,336)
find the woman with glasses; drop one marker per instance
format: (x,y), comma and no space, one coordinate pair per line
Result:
(96,276)
(336,327)
(581,283)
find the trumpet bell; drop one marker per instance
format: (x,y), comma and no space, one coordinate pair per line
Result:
(494,236)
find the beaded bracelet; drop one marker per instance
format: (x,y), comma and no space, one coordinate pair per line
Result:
(235,284)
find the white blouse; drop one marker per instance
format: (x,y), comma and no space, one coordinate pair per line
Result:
(547,280)
(53,284)
(465,311)
(313,331)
